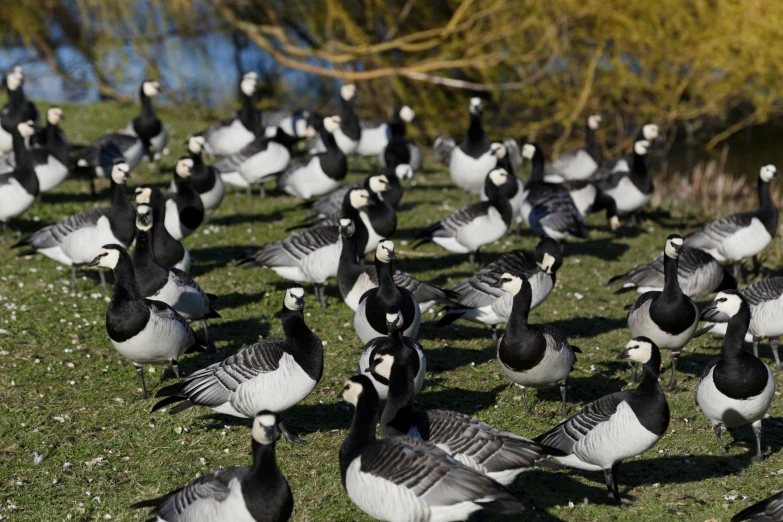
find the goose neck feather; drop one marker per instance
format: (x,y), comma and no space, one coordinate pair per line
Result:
(121,215)
(150,277)
(672,310)
(768,212)
(305,347)
(264,488)
(522,346)
(362,431)
(398,415)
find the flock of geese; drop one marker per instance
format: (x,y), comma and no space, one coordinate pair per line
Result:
(427,465)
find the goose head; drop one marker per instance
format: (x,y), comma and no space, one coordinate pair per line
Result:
(26,128)
(594,121)
(510,283)
(403,171)
(54,115)
(196,143)
(359,198)
(548,255)
(248,83)
(528,151)
(384,252)
(294,298)
(347,227)
(498,176)
(265,429)
(13,81)
(498,150)
(143,217)
(640,350)
(184,167)
(331,123)
(768,173)
(348,91)
(378,183)
(150,88)
(673,246)
(726,302)
(407,114)
(355,388)
(475,106)
(108,257)
(120,172)
(650,131)
(641,147)
(143,195)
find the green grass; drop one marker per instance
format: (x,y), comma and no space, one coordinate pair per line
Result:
(68,396)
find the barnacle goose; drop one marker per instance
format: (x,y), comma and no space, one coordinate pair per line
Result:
(184,208)
(316,174)
(312,255)
(78,239)
(499,455)
(171,286)
(404,479)
(259,492)
(768,510)
(18,109)
(370,318)
(376,136)
(169,253)
(630,189)
(259,161)
(548,208)
(765,299)
(468,229)
(147,126)
(392,342)
(348,134)
(533,356)
(618,426)
(293,124)
(354,279)
(698,273)
(204,179)
(583,162)
(473,157)
(105,150)
(142,330)
(229,136)
(274,374)
(480,299)
(18,188)
(733,238)
(668,317)
(513,188)
(736,388)
(649,132)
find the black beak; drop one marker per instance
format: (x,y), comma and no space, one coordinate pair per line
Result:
(389,332)
(392,255)
(95,261)
(709,308)
(497,284)
(624,355)
(300,301)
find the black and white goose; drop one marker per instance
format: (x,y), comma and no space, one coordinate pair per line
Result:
(499,455)
(404,479)
(736,388)
(169,285)
(354,279)
(252,493)
(78,239)
(579,163)
(258,162)
(473,157)
(274,374)
(513,188)
(17,110)
(668,317)
(229,136)
(392,342)
(184,208)
(317,174)
(376,136)
(369,321)
(482,301)
(532,356)
(18,188)
(631,189)
(104,151)
(468,229)
(205,179)
(733,238)
(765,299)
(312,255)
(169,253)
(147,126)
(142,330)
(618,426)
(348,134)
(699,274)
(768,510)
(293,123)
(649,132)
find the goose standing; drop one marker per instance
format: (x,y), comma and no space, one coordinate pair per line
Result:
(17,110)
(376,136)
(698,273)
(404,479)
(499,455)
(370,318)
(736,388)
(104,151)
(184,209)
(171,286)
(532,356)
(142,330)
(348,134)
(548,208)
(320,173)
(473,157)
(392,342)
(259,492)
(618,426)
(580,163)
(513,188)
(480,299)
(229,136)
(78,239)
(668,317)
(18,188)
(649,132)
(468,229)
(274,374)
(204,179)
(147,126)
(765,299)
(733,238)
(353,279)
(630,189)
(293,124)
(312,255)
(768,510)
(169,253)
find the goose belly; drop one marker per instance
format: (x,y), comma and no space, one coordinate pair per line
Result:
(228,139)
(483,230)
(384,500)
(173,225)
(275,391)
(266,164)
(189,302)
(6,141)
(581,166)
(83,244)
(641,325)
(469,173)
(552,370)
(745,242)
(51,174)
(584,199)
(232,508)
(362,284)
(212,198)
(484,315)
(14,199)
(184,263)
(57,254)
(383,389)
(321,264)
(373,141)
(160,342)
(451,244)
(628,197)
(309,181)
(733,412)
(344,143)
(158,143)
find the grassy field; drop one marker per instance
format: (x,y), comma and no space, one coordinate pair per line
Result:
(71,400)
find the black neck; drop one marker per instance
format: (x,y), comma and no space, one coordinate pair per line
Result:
(520,311)
(329,140)
(264,460)
(768,213)
(349,260)
(591,144)
(671,283)
(362,431)
(21,154)
(398,412)
(735,332)
(146,105)
(349,122)
(143,254)
(125,288)
(640,175)
(537,173)
(397,126)
(650,372)
(498,199)
(387,290)
(475,130)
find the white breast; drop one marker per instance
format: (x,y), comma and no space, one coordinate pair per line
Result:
(310,181)
(6,141)
(173,225)
(344,143)
(373,141)
(362,284)
(733,412)
(189,301)
(265,164)
(628,197)
(83,244)
(160,342)
(468,173)
(184,264)
(14,200)
(228,139)
(51,174)
(483,230)
(322,264)
(233,508)
(584,198)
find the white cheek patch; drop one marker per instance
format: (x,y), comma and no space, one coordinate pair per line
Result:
(384,367)
(352,394)
(548,262)
(650,131)
(143,196)
(111,258)
(528,151)
(359,198)
(640,147)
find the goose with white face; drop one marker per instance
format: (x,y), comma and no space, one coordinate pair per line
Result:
(404,172)
(294,298)
(384,252)
(594,121)
(638,350)
(347,92)
(475,106)
(673,246)
(768,173)
(641,147)
(144,217)
(382,365)
(407,114)
(54,115)
(13,81)
(499,176)
(265,429)
(379,184)
(120,172)
(510,283)
(528,151)
(248,84)
(143,195)
(332,123)
(347,227)
(151,88)
(359,198)
(196,144)
(650,131)
(107,258)
(184,167)
(351,392)
(728,304)
(498,149)
(547,263)
(26,128)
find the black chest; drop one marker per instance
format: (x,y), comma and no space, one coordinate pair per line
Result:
(673,314)
(147,126)
(379,302)
(740,377)
(124,320)
(522,349)
(333,164)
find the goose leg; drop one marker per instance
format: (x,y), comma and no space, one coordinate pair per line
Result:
(73,278)
(472,258)
(103,277)
(757,432)
(92,187)
(319,295)
(249,191)
(773,343)
(175,369)
(288,437)
(261,191)
(210,345)
(609,476)
(738,271)
(5,231)
(522,392)
(717,429)
(494,335)
(673,380)
(563,396)
(756,346)
(140,372)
